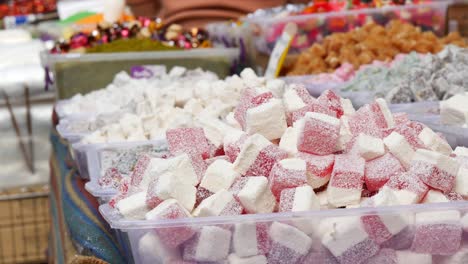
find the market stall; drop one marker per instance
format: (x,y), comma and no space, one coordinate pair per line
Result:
(324,132)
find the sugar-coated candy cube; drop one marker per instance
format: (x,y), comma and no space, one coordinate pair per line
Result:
(400,148)
(348,108)
(346,181)
(191,141)
(233,143)
(402,240)
(151,250)
(383,115)
(244,104)
(288,141)
(111,178)
(435,169)
(345,135)
(318,134)
(257,156)
(220,203)
(168,186)
(254,194)
(276,86)
(267,119)
(211,243)
(384,256)
(201,195)
(287,173)
(214,129)
(433,196)
(348,241)
(381,228)
(461,182)
(231,121)
(460,257)
(259,259)
(171,236)
(312,107)
(298,199)
(141,170)
(133,206)
(410,133)
(296,97)
(288,244)
(378,171)
(250,239)
(219,175)
(323,199)
(437,232)
(400,118)
(434,142)
(365,121)
(319,168)
(407,187)
(332,101)
(368,147)
(251,79)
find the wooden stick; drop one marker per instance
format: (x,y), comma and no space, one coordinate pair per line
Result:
(17,130)
(29,125)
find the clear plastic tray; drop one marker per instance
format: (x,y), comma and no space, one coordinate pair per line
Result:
(70,136)
(314,27)
(428,114)
(145,237)
(76,73)
(100,157)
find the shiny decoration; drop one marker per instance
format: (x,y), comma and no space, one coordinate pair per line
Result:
(173,35)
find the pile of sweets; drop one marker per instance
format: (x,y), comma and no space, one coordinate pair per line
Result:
(346,72)
(416,77)
(199,100)
(454,111)
(371,42)
(299,153)
(152,33)
(128,89)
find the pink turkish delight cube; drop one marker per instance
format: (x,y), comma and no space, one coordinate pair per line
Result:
(111,178)
(318,134)
(347,180)
(171,236)
(378,171)
(288,244)
(191,141)
(407,187)
(365,121)
(250,239)
(287,173)
(332,101)
(319,168)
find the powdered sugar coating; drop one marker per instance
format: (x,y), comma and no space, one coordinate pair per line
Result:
(319,168)
(287,173)
(191,141)
(380,170)
(318,134)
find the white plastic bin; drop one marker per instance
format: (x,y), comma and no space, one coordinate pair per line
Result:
(317,236)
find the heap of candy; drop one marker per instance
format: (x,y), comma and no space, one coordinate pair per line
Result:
(164,36)
(125,91)
(299,153)
(313,27)
(416,77)
(180,99)
(371,42)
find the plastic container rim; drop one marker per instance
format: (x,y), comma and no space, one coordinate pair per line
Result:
(48,58)
(116,221)
(299,18)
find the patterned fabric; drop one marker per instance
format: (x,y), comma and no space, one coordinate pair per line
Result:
(78,228)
